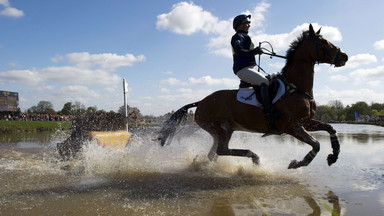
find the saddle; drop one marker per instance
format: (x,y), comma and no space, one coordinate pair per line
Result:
(251,94)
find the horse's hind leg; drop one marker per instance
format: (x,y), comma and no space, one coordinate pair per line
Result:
(300,133)
(221,139)
(314,125)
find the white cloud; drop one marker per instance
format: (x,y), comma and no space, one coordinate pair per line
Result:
(186,18)
(186,95)
(339,78)
(57,58)
(10,11)
(258,14)
(208,80)
(5,3)
(88,69)
(360,59)
(326,94)
(106,61)
(77,75)
(165,90)
(379,45)
(374,83)
(370,73)
(76,93)
(277,65)
(25,77)
(173,81)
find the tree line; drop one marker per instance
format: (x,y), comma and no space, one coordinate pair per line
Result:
(77,108)
(335,111)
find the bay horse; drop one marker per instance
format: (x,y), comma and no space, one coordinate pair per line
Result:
(220,114)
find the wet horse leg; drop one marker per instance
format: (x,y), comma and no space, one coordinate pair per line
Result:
(314,125)
(221,139)
(300,133)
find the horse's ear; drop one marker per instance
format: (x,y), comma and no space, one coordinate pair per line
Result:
(311,31)
(318,32)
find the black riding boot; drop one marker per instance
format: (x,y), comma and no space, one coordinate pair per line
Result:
(268,109)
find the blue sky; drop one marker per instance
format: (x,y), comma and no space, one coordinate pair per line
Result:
(175,52)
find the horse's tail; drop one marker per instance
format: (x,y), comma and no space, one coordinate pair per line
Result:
(169,127)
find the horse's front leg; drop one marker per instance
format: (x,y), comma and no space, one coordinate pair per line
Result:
(314,125)
(300,133)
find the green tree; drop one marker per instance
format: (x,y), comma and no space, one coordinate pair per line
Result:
(349,113)
(67,109)
(32,109)
(43,107)
(325,113)
(361,108)
(130,111)
(377,106)
(337,108)
(78,108)
(336,104)
(374,112)
(92,109)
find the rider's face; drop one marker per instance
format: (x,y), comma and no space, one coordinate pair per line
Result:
(245,26)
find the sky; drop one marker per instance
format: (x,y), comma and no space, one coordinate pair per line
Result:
(172,53)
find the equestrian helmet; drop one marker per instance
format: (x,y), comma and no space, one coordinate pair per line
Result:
(240,19)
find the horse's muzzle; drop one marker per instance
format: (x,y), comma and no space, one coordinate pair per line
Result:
(340,59)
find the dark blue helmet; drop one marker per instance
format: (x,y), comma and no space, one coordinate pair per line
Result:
(240,19)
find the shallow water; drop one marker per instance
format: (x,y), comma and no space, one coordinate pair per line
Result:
(146,179)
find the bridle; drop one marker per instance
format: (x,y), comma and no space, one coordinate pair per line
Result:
(326,53)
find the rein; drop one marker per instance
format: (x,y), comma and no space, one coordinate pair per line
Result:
(271,53)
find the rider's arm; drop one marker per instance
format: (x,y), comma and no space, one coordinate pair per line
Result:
(238,47)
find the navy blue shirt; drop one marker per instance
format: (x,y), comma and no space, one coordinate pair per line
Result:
(243,51)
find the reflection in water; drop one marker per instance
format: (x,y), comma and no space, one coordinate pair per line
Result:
(146,179)
(196,193)
(332,198)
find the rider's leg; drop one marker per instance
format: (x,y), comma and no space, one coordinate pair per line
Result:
(268,108)
(254,77)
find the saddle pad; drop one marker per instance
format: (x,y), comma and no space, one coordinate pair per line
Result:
(244,95)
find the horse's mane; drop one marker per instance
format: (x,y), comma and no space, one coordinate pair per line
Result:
(293,48)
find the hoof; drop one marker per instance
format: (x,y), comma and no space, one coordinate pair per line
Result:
(331,159)
(294,164)
(255,160)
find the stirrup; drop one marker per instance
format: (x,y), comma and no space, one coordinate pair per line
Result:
(271,124)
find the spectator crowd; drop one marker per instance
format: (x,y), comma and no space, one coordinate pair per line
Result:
(34,117)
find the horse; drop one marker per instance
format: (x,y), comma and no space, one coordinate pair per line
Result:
(220,113)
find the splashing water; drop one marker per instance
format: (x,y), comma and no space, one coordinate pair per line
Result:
(178,179)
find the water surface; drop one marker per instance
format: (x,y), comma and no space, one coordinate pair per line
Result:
(146,179)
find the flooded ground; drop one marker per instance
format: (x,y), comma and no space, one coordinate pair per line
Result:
(146,179)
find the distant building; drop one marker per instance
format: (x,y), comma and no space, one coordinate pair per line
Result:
(9,101)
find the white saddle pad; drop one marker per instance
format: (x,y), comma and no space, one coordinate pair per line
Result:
(244,95)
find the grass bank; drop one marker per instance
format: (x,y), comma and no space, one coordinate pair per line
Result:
(32,126)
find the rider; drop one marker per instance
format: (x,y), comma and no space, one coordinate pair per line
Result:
(244,61)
